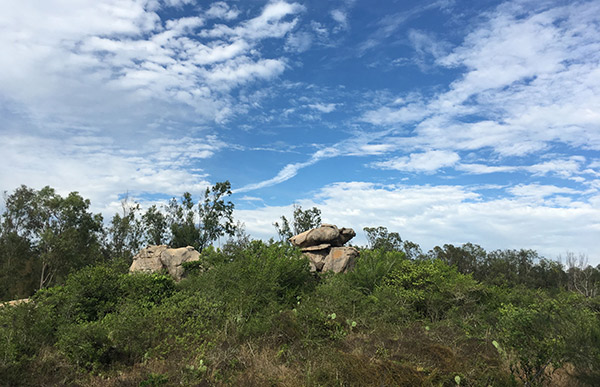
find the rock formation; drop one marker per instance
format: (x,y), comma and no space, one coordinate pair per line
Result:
(324,248)
(153,259)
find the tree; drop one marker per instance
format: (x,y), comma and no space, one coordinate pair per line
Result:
(61,233)
(381,238)
(412,250)
(215,218)
(125,232)
(216,215)
(155,225)
(583,278)
(181,222)
(303,220)
(468,258)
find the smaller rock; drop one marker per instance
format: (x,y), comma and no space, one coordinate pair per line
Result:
(315,257)
(340,259)
(316,248)
(153,259)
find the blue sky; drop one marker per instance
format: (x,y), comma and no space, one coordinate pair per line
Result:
(446,121)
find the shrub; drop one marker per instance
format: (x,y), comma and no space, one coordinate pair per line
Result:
(86,344)
(263,280)
(433,288)
(150,288)
(549,332)
(372,266)
(87,295)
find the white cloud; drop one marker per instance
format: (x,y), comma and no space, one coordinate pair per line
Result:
(434,215)
(237,72)
(323,108)
(428,162)
(531,82)
(428,48)
(269,24)
(70,63)
(341,18)
(221,10)
(102,170)
(483,168)
(563,167)
(298,42)
(560,167)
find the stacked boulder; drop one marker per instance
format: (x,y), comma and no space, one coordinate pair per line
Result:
(153,259)
(324,248)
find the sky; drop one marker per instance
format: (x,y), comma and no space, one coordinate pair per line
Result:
(446,121)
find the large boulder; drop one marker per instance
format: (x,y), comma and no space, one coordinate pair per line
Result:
(154,259)
(326,234)
(323,246)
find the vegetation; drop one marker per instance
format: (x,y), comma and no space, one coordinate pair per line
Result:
(255,315)
(303,220)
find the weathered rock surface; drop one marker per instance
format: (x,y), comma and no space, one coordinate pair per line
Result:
(323,246)
(153,259)
(326,234)
(340,259)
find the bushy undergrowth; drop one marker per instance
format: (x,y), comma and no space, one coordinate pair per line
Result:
(257,316)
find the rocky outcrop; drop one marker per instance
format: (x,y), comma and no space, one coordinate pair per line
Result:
(153,259)
(323,246)
(326,234)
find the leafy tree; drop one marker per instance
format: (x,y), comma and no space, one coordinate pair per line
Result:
(216,214)
(61,233)
(381,238)
(181,221)
(303,220)
(155,225)
(125,232)
(467,258)
(215,218)
(508,267)
(543,333)
(412,250)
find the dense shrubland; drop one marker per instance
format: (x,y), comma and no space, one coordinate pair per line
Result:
(251,313)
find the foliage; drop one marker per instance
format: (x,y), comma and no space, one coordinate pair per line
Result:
(433,288)
(214,213)
(155,224)
(372,266)
(58,233)
(380,238)
(252,313)
(302,220)
(541,335)
(262,277)
(124,232)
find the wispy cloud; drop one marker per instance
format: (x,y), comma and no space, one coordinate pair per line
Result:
(425,213)
(427,162)
(118,55)
(341,18)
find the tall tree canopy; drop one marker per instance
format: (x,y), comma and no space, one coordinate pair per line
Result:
(47,236)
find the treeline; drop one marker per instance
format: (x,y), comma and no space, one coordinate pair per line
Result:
(44,237)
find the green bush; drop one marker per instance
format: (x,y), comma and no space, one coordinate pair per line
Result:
(149,288)
(549,332)
(372,266)
(86,344)
(434,288)
(87,295)
(265,279)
